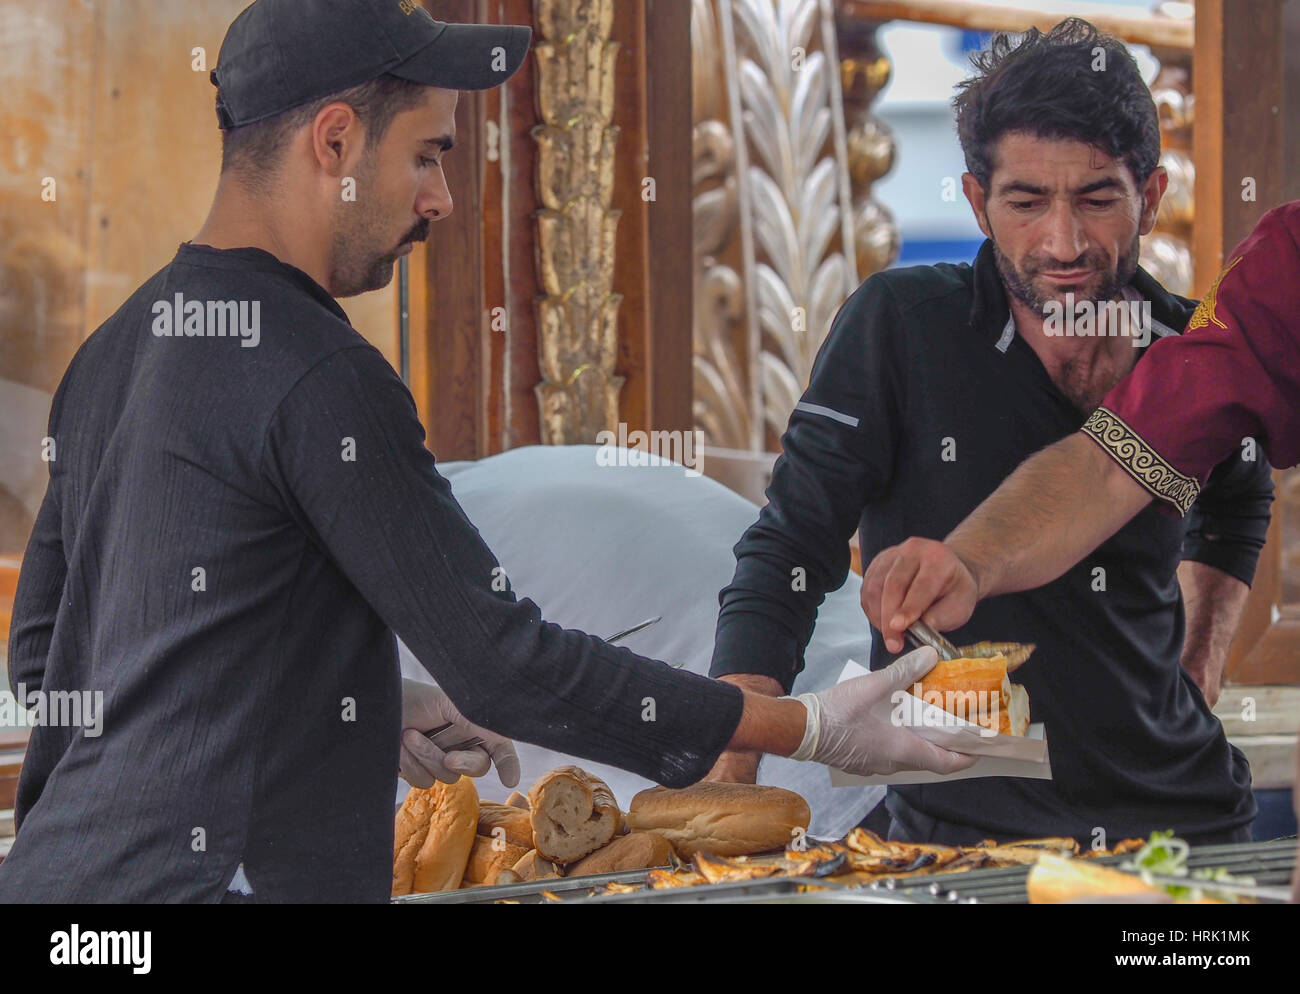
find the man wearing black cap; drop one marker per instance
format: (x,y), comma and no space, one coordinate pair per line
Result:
(241,513)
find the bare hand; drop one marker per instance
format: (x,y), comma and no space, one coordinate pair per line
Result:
(735,766)
(921,579)
(741,765)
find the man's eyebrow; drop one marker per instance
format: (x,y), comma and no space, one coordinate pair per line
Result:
(1021,186)
(1109,183)
(444,142)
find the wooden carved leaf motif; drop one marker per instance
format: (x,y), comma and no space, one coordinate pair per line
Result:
(721,405)
(800,281)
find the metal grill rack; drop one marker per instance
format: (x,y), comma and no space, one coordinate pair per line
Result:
(1268,863)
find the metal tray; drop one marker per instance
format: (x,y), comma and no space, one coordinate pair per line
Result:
(1265,862)
(770,890)
(529,892)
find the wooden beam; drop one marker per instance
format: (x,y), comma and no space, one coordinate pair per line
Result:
(1158,31)
(669,134)
(1237,138)
(451,355)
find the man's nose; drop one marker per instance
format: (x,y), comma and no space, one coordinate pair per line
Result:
(435,200)
(1064,239)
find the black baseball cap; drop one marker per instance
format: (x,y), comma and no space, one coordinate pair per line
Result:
(280,54)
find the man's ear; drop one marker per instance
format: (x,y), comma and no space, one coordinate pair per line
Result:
(1152,193)
(337,138)
(977,197)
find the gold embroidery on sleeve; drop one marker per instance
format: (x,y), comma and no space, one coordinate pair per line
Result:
(1205,310)
(1141,461)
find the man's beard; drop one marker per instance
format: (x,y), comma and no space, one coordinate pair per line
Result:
(354,267)
(1021,284)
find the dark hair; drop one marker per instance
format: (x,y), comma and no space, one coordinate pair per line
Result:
(255,150)
(1047,85)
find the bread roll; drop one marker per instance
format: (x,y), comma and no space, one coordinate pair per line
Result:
(516,823)
(573,813)
(488,858)
(726,819)
(517,800)
(535,866)
(440,864)
(1057,879)
(409,832)
(637,851)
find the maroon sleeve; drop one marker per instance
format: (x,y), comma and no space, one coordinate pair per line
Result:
(1233,375)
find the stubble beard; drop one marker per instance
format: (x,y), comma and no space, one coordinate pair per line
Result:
(1021,285)
(354,267)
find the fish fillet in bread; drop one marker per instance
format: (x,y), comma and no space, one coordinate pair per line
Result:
(979,691)
(1059,879)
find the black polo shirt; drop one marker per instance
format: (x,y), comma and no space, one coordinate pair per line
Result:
(231,535)
(922,401)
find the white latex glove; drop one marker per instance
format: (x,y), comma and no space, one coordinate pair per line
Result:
(849,726)
(425,707)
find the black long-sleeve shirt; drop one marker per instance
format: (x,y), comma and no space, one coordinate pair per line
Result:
(922,401)
(230,537)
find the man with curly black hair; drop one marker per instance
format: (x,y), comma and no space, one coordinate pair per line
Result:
(936,381)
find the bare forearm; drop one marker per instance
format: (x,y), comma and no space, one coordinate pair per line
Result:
(1214,602)
(1056,508)
(769,724)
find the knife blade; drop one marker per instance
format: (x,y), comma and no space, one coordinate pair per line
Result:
(922,635)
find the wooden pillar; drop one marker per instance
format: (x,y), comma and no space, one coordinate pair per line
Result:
(1237,142)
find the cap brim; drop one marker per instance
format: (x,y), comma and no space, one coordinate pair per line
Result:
(469,57)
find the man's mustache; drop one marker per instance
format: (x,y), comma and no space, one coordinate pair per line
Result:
(419,233)
(1035,268)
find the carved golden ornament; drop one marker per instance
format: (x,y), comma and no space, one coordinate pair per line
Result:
(875,236)
(1169,261)
(862,79)
(1178,205)
(577,316)
(871,151)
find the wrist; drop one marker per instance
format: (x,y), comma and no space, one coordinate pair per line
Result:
(758,683)
(979,572)
(770,724)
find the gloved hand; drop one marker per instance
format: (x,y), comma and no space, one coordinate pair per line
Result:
(425,707)
(850,727)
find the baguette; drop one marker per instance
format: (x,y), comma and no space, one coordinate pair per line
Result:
(515,823)
(517,800)
(572,812)
(725,819)
(637,851)
(1057,880)
(488,858)
(535,866)
(440,864)
(409,832)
